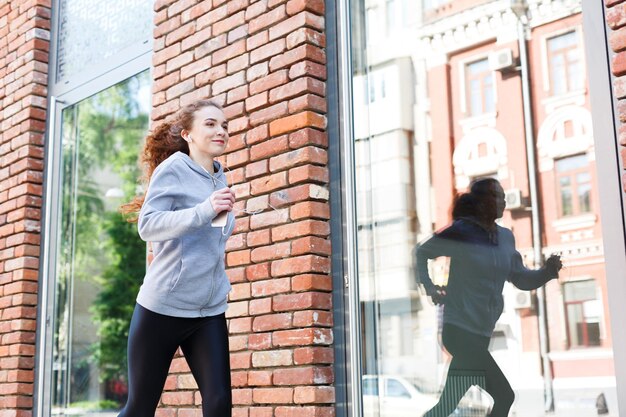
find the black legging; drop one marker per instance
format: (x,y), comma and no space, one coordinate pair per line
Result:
(471,361)
(152,342)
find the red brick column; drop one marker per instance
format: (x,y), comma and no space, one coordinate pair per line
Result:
(616,19)
(265,61)
(24,34)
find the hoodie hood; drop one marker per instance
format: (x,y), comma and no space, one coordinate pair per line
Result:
(217,167)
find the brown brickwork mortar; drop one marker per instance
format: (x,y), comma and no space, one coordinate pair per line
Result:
(24,45)
(265,62)
(616,19)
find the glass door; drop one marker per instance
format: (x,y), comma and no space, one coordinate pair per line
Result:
(97,259)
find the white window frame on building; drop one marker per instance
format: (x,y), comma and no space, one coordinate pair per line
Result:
(546,55)
(573,177)
(582,303)
(465,99)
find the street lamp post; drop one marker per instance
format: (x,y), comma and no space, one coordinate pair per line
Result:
(520,9)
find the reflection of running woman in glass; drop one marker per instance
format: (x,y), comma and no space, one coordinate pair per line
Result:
(482,257)
(183,297)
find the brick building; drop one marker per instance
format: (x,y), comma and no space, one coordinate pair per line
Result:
(81,82)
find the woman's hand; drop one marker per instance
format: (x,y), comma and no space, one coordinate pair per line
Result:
(222,200)
(554,265)
(438,295)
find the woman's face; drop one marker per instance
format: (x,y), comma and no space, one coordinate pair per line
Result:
(208,134)
(492,199)
(500,199)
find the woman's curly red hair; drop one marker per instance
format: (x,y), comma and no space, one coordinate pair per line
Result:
(164,140)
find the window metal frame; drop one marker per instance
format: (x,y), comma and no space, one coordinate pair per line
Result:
(346,314)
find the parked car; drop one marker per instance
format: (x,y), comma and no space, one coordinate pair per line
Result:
(395,396)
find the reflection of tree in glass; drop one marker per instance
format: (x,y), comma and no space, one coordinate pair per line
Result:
(102,138)
(114,304)
(116,127)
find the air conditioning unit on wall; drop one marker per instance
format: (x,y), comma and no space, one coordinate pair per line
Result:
(523,299)
(513,199)
(501,60)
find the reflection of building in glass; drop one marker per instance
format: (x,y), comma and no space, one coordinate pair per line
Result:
(471,58)
(434,114)
(393,202)
(387,213)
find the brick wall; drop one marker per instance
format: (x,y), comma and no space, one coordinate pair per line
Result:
(616,18)
(24,35)
(265,62)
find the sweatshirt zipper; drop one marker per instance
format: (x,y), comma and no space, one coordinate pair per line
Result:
(219,245)
(493,281)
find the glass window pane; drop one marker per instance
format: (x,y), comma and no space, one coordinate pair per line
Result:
(574,70)
(92,31)
(415,155)
(593,334)
(584,198)
(562,41)
(478,67)
(567,207)
(489,98)
(579,291)
(101,259)
(556,43)
(572,163)
(558,75)
(480,90)
(583,178)
(565,68)
(574,321)
(476,99)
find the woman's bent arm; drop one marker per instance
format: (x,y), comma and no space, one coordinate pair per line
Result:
(158,222)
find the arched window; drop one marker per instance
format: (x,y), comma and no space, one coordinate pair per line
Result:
(567,131)
(481,152)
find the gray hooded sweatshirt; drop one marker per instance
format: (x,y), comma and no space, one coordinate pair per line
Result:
(187,277)
(480,263)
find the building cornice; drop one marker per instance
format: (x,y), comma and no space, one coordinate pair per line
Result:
(486,22)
